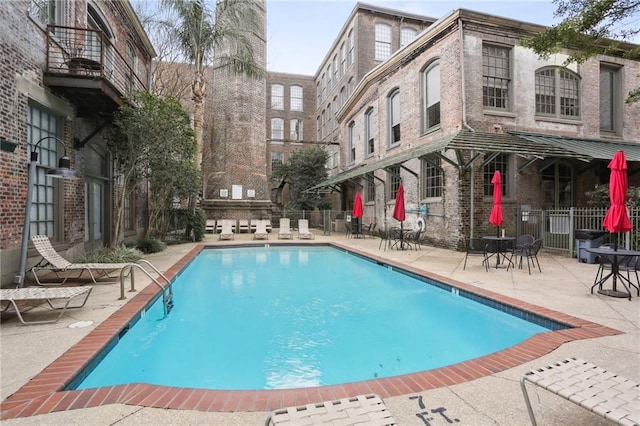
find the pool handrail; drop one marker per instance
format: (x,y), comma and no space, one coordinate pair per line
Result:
(167,291)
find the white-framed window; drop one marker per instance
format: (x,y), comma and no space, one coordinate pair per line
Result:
(501,163)
(394,180)
(329,81)
(351,46)
(296,93)
(351,137)
(406,36)
(318,129)
(48,12)
(335,69)
(431,96)
(277,96)
(277,160)
(318,93)
(369,132)
(343,96)
(323,86)
(295,129)
(350,86)
(431,177)
(610,98)
(496,76)
(132,65)
(277,129)
(46,196)
(382,42)
(369,188)
(343,59)
(557,93)
(393,112)
(329,118)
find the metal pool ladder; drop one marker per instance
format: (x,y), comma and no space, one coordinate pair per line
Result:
(167,291)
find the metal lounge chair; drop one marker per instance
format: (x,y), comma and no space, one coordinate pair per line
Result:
(303,230)
(356,410)
(284,231)
(15,297)
(226,231)
(243,226)
(53,262)
(210,226)
(591,387)
(261,231)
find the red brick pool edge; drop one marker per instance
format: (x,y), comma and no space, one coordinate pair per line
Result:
(44,393)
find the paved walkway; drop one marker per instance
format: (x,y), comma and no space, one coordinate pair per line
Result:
(494,400)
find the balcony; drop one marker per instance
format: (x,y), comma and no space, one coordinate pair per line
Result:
(84,67)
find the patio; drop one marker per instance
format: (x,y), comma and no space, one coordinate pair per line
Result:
(563,286)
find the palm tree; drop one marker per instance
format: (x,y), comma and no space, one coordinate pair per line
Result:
(224,29)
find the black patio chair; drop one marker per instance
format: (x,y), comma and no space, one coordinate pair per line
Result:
(476,246)
(530,251)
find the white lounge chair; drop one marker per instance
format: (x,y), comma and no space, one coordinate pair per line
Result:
(261,231)
(285,229)
(211,226)
(226,231)
(14,297)
(53,262)
(243,226)
(303,230)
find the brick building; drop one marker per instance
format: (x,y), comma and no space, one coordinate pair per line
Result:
(65,67)
(464,99)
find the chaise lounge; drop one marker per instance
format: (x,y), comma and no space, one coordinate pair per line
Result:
(53,262)
(16,297)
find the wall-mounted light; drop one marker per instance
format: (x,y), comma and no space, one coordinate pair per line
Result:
(6,145)
(62,171)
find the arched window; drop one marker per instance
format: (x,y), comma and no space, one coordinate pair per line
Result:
(393,112)
(557,93)
(406,36)
(277,96)
(430,96)
(277,129)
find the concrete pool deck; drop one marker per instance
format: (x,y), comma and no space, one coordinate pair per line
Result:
(493,399)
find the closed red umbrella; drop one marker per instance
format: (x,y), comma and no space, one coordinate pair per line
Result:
(399,212)
(496,217)
(617,219)
(356,214)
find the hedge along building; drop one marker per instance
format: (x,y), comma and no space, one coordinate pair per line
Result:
(463,100)
(65,66)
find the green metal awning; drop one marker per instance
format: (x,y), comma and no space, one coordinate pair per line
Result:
(530,146)
(600,149)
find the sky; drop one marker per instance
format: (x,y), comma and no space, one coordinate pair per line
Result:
(301,32)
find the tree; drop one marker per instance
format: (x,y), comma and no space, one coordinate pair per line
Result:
(305,169)
(203,26)
(589,28)
(153,142)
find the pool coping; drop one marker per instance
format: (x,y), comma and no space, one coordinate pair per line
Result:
(45,392)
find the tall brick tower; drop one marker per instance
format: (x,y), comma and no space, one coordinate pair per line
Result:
(234,162)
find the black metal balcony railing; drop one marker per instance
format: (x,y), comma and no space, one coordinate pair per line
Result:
(81,53)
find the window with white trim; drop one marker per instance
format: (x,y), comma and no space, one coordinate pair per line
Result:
(277,129)
(369,131)
(407,35)
(295,129)
(393,112)
(382,42)
(557,93)
(431,177)
(277,160)
(431,96)
(295,101)
(335,69)
(369,188)
(329,82)
(352,142)
(496,77)
(48,12)
(394,181)
(501,163)
(277,96)
(351,42)
(343,59)
(610,99)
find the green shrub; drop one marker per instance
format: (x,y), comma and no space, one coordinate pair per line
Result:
(120,254)
(150,245)
(196,222)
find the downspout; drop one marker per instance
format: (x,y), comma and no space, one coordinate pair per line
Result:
(466,125)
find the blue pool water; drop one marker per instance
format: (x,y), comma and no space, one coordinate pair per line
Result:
(287,317)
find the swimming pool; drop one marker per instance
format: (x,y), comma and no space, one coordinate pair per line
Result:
(362,320)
